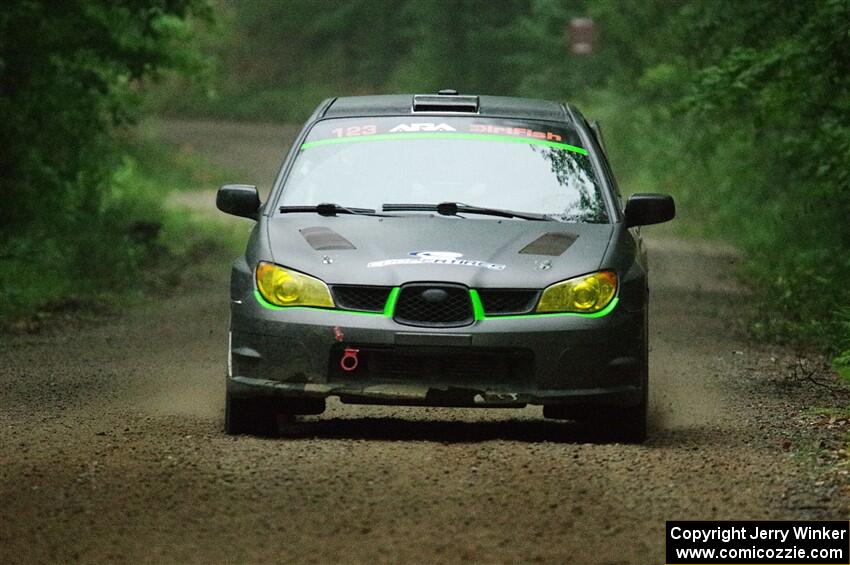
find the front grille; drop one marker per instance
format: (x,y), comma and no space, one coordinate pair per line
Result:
(503,302)
(434,305)
(363,298)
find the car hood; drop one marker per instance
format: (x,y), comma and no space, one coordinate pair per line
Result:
(479,253)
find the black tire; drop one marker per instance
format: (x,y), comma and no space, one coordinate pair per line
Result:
(625,424)
(300,406)
(559,412)
(249,416)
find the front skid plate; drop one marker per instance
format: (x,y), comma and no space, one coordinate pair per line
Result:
(433,395)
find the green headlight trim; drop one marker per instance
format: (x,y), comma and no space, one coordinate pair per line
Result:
(440,135)
(604,312)
(478,310)
(389,308)
(266,304)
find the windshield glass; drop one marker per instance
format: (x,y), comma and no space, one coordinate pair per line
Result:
(493,163)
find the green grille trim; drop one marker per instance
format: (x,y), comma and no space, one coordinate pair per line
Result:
(389,307)
(477,308)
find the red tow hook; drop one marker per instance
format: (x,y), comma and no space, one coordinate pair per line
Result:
(349,359)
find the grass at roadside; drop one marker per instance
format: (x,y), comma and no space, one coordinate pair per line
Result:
(841,412)
(133,244)
(844,371)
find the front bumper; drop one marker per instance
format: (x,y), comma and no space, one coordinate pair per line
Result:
(510,361)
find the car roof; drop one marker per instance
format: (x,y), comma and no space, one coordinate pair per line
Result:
(403,104)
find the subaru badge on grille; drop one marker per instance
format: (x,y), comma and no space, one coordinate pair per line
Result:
(434,295)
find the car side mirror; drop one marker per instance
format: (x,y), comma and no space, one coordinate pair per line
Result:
(239,200)
(644,209)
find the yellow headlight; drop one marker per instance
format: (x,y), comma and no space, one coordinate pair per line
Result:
(587,294)
(283,287)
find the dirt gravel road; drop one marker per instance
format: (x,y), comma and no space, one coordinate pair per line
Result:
(113,449)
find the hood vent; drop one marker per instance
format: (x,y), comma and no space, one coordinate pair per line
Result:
(553,244)
(325,239)
(445,103)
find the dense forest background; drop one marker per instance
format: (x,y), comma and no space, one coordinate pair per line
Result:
(741,109)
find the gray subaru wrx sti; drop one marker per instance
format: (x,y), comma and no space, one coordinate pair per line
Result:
(442,250)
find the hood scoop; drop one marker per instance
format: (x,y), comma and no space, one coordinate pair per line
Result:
(553,244)
(325,239)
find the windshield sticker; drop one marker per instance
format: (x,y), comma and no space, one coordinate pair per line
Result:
(486,128)
(332,132)
(442,135)
(350,131)
(422,127)
(436,258)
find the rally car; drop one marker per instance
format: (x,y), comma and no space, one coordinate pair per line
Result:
(442,250)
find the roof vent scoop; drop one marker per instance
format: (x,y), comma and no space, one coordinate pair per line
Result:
(446,100)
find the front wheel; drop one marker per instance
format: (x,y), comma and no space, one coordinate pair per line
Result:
(260,416)
(249,416)
(626,424)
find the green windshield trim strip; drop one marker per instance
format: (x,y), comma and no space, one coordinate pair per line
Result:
(440,135)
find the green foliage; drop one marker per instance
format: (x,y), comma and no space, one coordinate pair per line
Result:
(774,87)
(278,58)
(136,243)
(742,110)
(71,74)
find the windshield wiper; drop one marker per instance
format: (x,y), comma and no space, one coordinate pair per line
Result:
(327,209)
(454,208)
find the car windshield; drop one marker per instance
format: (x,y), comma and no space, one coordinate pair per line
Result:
(531,167)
